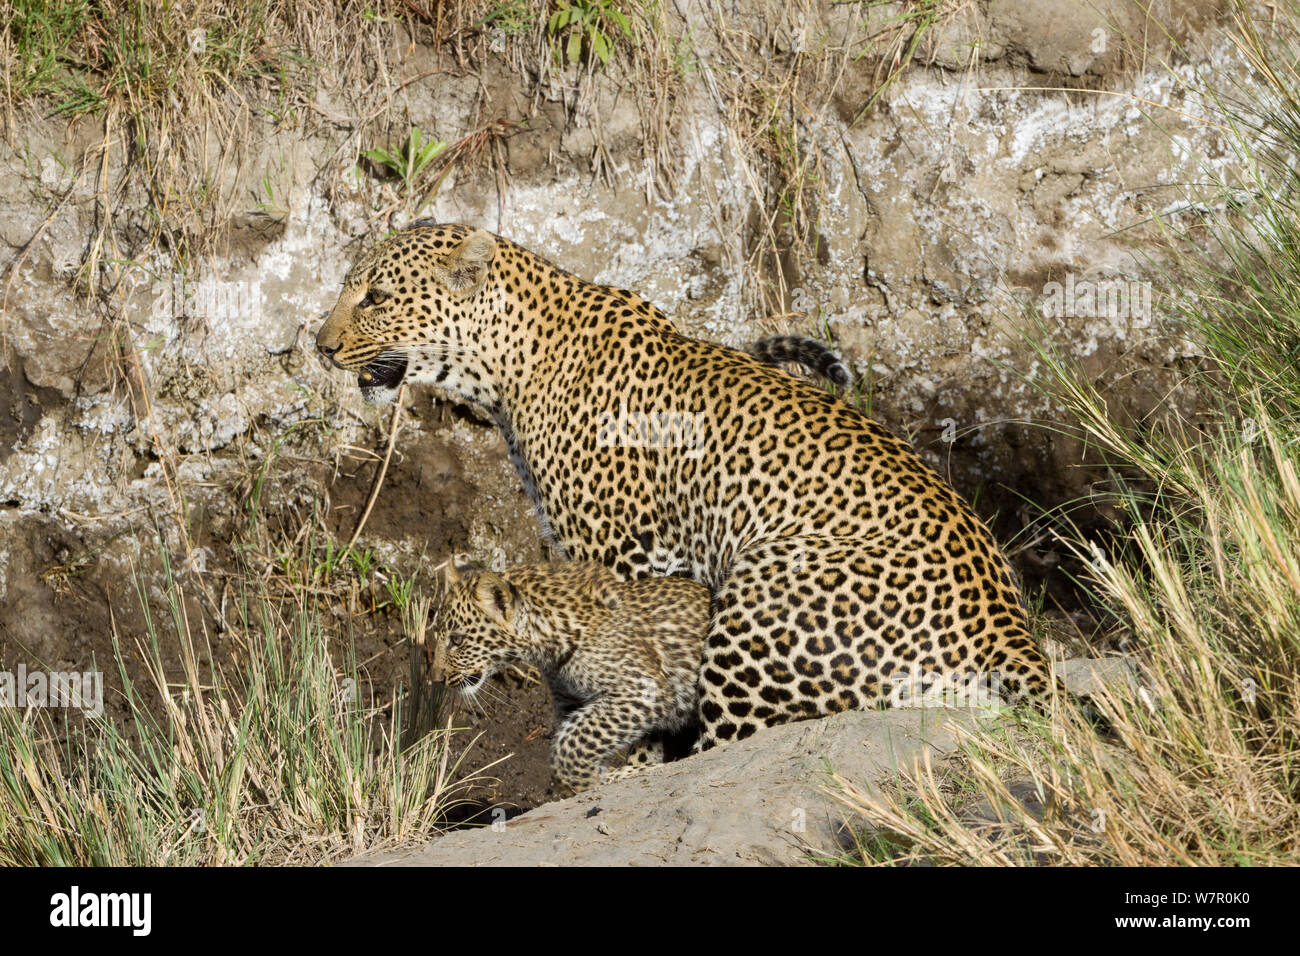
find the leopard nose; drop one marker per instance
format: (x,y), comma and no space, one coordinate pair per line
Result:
(328,354)
(322,345)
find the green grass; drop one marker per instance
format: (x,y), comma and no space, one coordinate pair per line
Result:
(40,36)
(275,758)
(589,30)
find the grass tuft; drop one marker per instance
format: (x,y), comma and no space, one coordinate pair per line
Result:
(273,759)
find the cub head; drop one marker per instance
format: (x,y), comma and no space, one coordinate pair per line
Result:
(476,630)
(408,309)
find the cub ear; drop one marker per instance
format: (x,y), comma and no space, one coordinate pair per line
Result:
(457,566)
(497,596)
(603,586)
(466,268)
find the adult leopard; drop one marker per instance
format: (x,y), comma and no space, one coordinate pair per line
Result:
(842,567)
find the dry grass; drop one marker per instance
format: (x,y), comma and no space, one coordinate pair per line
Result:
(250,737)
(782,88)
(1203,582)
(1204,765)
(273,759)
(179,96)
(172,95)
(267,758)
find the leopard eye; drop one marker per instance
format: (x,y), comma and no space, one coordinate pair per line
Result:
(374,297)
(454,639)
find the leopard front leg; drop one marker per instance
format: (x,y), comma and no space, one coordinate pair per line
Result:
(594,735)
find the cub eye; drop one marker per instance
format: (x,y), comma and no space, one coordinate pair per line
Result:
(454,639)
(374,297)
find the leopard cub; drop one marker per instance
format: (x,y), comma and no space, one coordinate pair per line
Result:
(621,658)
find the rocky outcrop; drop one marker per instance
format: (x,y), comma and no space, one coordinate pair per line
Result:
(755,802)
(761,801)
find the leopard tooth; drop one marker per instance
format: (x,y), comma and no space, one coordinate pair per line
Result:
(366,376)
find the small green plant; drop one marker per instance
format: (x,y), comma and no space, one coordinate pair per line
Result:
(686,62)
(253,500)
(328,562)
(400,591)
(408,161)
(588,27)
(271,205)
(364,562)
(511,17)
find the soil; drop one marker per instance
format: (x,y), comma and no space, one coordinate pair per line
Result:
(424,502)
(64,596)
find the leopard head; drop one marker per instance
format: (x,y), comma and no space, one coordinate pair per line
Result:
(410,310)
(477,629)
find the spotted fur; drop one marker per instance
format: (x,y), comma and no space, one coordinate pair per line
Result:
(841,566)
(781,349)
(621,658)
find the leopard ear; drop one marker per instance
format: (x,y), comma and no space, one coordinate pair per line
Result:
(603,586)
(466,269)
(497,596)
(457,566)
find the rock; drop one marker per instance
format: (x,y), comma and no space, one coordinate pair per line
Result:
(760,801)
(1085,676)
(755,802)
(1064,36)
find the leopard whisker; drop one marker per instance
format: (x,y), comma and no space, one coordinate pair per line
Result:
(386,361)
(492,693)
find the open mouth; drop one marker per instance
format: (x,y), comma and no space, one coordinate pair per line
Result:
(465,683)
(386,371)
